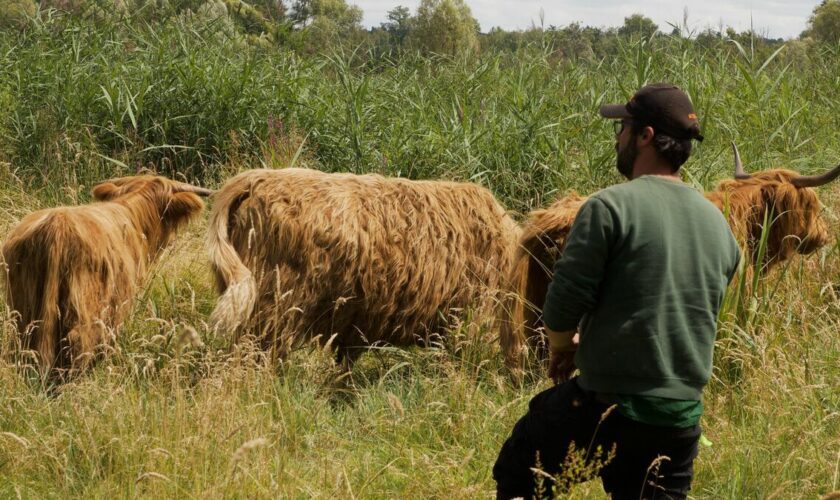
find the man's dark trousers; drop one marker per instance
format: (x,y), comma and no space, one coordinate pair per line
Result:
(565,414)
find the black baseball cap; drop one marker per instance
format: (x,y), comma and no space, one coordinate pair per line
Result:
(663,106)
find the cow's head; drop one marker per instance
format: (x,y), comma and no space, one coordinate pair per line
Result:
(786,200)
(174,199)
(160,205)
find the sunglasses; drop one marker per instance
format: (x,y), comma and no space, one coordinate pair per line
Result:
(619,125)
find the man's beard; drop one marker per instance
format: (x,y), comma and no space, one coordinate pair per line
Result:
(626,158)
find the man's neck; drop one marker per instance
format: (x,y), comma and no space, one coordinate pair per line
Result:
(655,168)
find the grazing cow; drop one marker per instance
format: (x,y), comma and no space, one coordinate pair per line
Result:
(781,197)
(300,253)
(72,272)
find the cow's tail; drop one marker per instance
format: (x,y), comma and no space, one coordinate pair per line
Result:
(33,273)
(234,280)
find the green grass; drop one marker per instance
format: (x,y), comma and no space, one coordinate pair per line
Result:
(168,414)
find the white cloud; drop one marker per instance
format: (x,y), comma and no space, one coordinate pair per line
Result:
(784,19)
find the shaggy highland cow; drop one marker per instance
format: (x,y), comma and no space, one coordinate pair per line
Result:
(357,258)
(782,197)
(73,272)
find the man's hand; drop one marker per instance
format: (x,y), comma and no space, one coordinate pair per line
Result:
(561,361)
(561,365)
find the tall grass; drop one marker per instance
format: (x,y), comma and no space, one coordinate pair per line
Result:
(184,96)
(172,411)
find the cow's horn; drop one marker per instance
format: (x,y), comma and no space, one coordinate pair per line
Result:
(183,187)
(739,167)
(816,180)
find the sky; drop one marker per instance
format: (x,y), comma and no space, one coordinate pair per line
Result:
(771,18)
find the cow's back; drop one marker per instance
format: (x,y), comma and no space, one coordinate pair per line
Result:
(367,255)
(65,271)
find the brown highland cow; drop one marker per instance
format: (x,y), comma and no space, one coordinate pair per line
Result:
(781,196)
(360,259)
(73,272)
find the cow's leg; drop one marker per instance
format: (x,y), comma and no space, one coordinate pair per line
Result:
(87,312)
(346,356)
(44,344)
(82,342)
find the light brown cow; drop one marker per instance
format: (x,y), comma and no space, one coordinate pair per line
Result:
(299,253)
(783,197)
(72,272)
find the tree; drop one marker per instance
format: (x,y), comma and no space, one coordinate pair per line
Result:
(301,12)
(326,23)
(399,24)
(273,10)
(346,17)
(445,26)
(574,41)
(335,13)
(824,24)
(638,25)
(499,39)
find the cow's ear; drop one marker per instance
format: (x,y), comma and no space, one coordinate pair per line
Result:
(105,191)
(182,205)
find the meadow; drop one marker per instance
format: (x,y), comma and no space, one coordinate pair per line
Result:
(175,411)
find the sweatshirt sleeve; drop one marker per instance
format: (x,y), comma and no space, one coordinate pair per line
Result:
(580,270)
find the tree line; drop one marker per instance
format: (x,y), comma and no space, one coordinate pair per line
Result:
(437,26)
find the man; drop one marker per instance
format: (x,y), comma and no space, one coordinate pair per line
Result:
(642,275)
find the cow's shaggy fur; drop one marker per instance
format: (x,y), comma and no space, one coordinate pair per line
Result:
(796,228)
(357,258)
(792,212)
(72,272)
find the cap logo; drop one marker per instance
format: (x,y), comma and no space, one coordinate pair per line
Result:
(692,116)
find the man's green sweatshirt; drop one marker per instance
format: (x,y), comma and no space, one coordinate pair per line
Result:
(643,274)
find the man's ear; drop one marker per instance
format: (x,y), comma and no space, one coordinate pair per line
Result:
(182,205)
(105,191)
(645,137)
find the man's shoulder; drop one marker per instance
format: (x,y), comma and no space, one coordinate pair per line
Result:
(644,187)
(609,193)
(635,189)
(663,196)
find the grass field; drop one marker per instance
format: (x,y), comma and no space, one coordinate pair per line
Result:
(174,412)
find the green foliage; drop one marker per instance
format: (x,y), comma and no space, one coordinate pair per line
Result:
(7,111)
(399,24)
(328,23)
(191,93)
(179,94)
(100,10)
(341,16)
(445,27)
(824,23)
(301,12)
(16,13)
(345,16)
(638,25)
(256,23)
(568,42)
(273,10)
